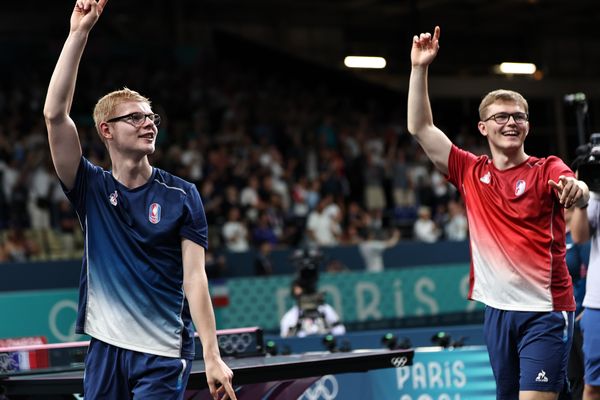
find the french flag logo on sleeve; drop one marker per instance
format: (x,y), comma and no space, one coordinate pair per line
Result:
(154,213)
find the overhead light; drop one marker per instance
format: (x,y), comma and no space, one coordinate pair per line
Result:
(364,62)
(516,68)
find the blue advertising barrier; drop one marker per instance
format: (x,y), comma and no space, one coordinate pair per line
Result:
(436,374)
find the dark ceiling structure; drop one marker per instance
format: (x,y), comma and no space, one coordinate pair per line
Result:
(561,37)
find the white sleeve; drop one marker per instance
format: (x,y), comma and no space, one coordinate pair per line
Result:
(332,319)
(289,320)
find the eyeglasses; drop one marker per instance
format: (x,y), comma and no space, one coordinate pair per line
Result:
(137,119)
(502,118)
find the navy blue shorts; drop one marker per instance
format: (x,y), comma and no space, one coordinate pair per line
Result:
(115,373)
(528,350)
(591,345)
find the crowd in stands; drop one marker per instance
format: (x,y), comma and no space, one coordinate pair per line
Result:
(278,161)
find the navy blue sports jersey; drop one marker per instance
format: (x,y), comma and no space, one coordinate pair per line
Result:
(131,292)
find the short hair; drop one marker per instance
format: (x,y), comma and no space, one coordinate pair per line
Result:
(501,95)
(107,104)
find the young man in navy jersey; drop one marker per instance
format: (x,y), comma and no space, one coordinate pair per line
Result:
(514,204)
(143,280)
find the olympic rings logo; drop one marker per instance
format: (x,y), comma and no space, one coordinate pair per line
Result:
(399,362)
(53,321)
(234,343)
(326,388)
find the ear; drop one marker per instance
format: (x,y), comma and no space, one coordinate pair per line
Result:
(482,128)
(104,130)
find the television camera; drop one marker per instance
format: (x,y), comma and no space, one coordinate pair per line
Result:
(307,262)
(587,160)
(304,290)
(587,163)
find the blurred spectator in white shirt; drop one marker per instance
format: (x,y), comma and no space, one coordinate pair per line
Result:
(235,232)
(322,227)
(373,247)
(457,227)
(425,229)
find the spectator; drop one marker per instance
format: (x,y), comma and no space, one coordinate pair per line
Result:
(373,247)
(262,263)
(235,232)
(403,192)
(457,227)
(425,230)
(322,227)
(263,231)
(18,247)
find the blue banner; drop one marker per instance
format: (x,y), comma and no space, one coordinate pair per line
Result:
(436,374)
(48,313)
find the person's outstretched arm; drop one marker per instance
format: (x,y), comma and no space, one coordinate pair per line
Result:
(62,133)
(195,286)
(420,119)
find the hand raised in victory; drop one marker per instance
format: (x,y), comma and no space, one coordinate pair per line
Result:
(85,14)
(425,47)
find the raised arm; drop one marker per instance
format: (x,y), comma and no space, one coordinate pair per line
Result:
(195,286)
(62,133)
(420,119)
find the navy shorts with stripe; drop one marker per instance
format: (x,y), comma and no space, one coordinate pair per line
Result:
(115,373)
(591,345)
(528,350)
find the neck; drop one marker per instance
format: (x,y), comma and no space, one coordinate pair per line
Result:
(132,174)
(504,160)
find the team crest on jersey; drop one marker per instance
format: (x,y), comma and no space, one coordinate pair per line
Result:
(113,198)
(154,213)
(520,187)
(487,178)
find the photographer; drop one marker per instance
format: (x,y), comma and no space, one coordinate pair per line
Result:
(585,225)
(310,315)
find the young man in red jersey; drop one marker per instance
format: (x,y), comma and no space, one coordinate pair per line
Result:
(516,220)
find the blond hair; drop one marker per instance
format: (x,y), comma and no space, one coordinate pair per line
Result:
(501,95)
(106,105)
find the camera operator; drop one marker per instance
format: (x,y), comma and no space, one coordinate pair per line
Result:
(310,315)
(585,225)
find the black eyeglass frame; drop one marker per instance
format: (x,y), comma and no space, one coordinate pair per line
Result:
(508,115)
(155,118)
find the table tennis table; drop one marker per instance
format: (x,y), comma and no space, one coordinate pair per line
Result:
(256,377)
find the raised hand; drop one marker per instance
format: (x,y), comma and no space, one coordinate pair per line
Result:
(425,47)
(85,14)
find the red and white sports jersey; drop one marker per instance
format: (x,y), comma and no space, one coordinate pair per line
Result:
(517,232)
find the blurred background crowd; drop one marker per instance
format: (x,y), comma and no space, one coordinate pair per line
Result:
(279,161)
(285,151)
